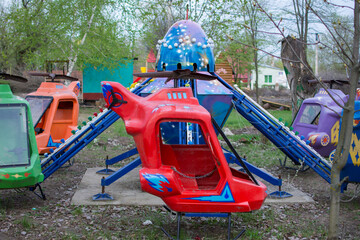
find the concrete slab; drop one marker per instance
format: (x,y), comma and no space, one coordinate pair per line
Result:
(127,191)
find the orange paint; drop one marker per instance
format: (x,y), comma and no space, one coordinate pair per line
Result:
(61,117)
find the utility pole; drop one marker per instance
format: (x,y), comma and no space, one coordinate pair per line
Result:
(316,53)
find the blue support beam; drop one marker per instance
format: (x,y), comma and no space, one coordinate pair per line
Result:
(77,142)
(121,157)
(253,169)
(121,172)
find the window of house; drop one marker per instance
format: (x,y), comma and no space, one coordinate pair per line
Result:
(268,78)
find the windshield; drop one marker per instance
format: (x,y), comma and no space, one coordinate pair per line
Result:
(311,114)
(157,84)
(14,147)
(213,87)
(38,106)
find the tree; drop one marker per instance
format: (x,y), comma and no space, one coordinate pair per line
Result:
(78,30)
(252,21)
(240,58)
(157,16)
(348,52)
(301,12)
(297,70)
(351,57)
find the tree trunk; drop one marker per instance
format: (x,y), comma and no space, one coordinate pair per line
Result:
(73,59)
(345,138)
(256,76)
(297,71)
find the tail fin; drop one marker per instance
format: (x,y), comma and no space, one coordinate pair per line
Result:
(75,87)
(119,99)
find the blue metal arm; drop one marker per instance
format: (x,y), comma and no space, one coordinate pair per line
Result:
(122,156)
(280,135)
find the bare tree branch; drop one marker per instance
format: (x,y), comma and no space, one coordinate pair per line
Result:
(336,5)
(261,50)
(321,84)
(331,33)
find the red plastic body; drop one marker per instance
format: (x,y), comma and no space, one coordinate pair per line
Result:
(189,178)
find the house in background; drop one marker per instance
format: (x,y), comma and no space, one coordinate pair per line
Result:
(93,76)
(224,70)
(269,76)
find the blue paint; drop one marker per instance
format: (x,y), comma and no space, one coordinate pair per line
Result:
(106,89)
(187,44)
(51,143)
(225,196)
(156,181)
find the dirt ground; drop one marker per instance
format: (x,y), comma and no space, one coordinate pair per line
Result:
(25,216)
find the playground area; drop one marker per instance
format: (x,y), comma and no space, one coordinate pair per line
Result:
(25,216)
(178,151)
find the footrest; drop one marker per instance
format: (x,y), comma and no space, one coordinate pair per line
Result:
(105,171)
(280,194)
(102,197)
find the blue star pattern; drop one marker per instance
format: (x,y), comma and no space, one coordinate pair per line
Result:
(51,143)
(225,196)
(157,181)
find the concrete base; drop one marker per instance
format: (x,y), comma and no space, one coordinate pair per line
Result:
(127,191)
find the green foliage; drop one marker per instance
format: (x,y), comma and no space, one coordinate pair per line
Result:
(157,16)
(240,58)
(76,30)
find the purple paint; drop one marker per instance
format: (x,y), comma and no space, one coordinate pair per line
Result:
(318,120)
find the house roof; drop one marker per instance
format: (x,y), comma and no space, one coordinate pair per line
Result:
(272,67)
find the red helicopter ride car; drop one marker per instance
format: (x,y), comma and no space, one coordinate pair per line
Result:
(190,177)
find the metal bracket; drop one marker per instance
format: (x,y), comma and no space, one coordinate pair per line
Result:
(102,196)
(179,214)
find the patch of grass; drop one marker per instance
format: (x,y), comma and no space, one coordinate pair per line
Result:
(247,137)
(2,214)
(236,121)
(77,211)
(254,234)
(26,222)
(71,236)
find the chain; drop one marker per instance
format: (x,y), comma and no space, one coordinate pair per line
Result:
(297,171)
(199,177)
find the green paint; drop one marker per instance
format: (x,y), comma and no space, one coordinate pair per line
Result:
(18,143)
(286,71)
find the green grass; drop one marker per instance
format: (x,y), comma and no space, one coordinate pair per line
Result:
(26,222)
(235,120)
(262,154)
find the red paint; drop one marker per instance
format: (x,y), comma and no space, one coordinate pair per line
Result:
(26,174)
(167,169)
(6,175)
